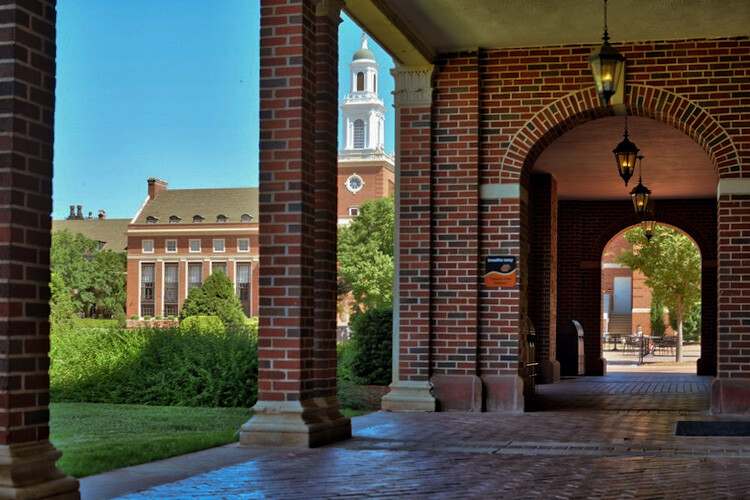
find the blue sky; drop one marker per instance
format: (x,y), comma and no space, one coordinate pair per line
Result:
(167,89)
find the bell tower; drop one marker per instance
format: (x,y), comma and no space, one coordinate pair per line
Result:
(363,113)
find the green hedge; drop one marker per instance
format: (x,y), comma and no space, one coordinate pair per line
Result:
(156,366)
(366,359)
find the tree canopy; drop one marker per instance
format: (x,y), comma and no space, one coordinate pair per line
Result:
(671,263)
(365,254)
(216,297)
(95,277)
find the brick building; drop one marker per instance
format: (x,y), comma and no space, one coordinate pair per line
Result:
(180,236)
(483,91)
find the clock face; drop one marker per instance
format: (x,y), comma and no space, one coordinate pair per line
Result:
(354,183)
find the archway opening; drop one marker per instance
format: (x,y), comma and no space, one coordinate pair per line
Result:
(651,301)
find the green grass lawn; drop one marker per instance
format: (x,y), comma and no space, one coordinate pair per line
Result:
(96,438)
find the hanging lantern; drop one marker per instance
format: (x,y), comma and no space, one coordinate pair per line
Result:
(640,194)
(606,66)
(648,226)
(625,155)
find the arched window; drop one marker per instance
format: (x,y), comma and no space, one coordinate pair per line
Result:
(359,134)
(360,81)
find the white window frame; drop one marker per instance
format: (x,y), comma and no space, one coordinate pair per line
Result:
(353,211)
(246,240)
(166,246)
(190,246)
(223,245)
(143,246)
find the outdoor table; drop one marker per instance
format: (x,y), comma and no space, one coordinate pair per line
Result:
(616,338)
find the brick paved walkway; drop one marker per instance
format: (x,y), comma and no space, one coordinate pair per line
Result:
(607,437)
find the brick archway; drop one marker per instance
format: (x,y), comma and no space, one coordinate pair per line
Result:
(702,230)
(580,107)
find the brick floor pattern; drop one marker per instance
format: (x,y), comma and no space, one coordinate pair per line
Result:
(608,437)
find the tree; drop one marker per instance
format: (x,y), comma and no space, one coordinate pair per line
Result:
(96,277)
(365,254)
(671,263)
(62,312)
(215,298)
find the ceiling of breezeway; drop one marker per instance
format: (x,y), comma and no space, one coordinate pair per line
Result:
(414,31)
(674,166)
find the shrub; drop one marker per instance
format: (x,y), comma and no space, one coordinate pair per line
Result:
(158,317)
(658,327)
(205,324)
(170,317)
(147,317)
(691,327)
(156,366)
(372,338)
(62,313)
(215,298)
(134,317)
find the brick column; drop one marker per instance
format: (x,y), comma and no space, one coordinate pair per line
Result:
(730,390)
(27,102)
(326,194)
(411,388)
(543,276)
(286,412)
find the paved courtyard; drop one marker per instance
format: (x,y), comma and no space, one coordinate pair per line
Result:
(597,437)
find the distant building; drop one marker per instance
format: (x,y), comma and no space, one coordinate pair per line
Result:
(110,233)
(179,237)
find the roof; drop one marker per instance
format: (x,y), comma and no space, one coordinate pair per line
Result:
(112,232)
(207,203)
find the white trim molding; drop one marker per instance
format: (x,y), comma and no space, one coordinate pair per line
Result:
(730,186)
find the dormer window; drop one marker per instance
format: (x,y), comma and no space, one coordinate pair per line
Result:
(246,218)
(174,219)
(151,219)
(221,218)
(197,219)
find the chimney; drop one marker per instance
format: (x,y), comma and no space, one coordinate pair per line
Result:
(102,214)
(91,215)
(72,212)
(155,186)
(79,215)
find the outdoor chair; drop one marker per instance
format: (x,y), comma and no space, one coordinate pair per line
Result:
(665,345)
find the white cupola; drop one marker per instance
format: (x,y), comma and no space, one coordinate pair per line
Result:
(363,113)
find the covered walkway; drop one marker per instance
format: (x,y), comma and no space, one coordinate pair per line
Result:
(594,437)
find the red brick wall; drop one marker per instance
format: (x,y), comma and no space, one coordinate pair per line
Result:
(455,216)
(27,100)
(734,287)
(414,243)
(378,184)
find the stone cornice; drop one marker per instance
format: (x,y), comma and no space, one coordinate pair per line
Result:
(413,85)
(330,8)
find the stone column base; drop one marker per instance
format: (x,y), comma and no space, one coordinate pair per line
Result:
(706,366)
(549,371)
(307,424)
(458,392)
(408,395)
(730,396)
(27,471)
(503,393)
